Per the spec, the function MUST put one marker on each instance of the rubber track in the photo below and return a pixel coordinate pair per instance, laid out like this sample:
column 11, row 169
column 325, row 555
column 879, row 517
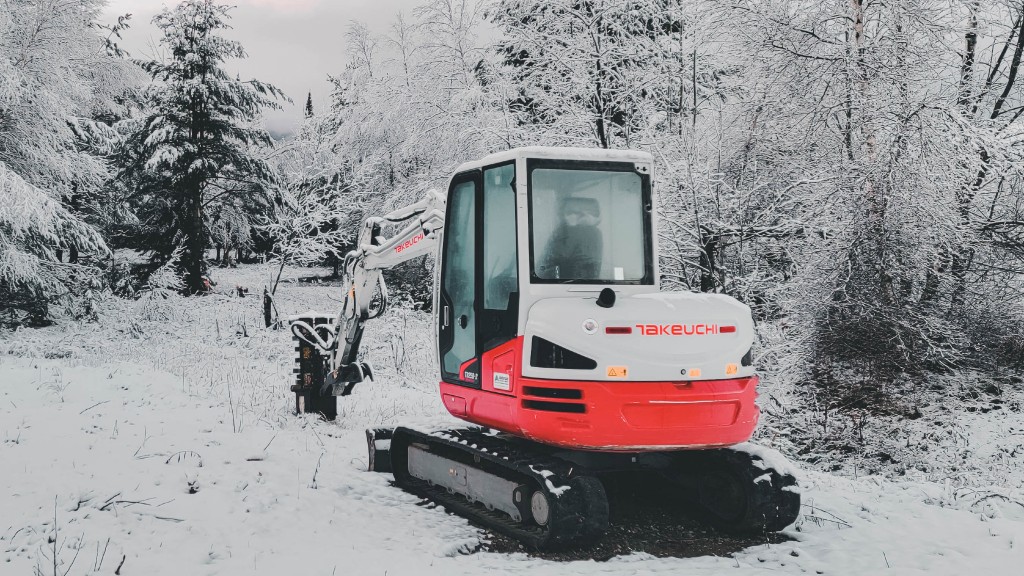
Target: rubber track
column 578, row 515
column 768, row 505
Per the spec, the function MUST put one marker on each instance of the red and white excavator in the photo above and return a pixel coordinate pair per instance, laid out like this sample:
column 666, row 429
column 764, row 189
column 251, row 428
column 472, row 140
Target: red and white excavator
column 555, row 340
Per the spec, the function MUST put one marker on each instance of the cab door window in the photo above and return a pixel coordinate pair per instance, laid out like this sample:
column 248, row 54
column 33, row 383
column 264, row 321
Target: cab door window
column 500, row 258
column 457, row 319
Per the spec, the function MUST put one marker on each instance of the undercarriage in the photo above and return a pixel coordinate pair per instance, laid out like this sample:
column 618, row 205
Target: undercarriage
column 551, row 499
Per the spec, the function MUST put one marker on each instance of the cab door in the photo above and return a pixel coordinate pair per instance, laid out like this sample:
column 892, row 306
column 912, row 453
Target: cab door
column 457, row 290
column 499, row 258
column 478, row 293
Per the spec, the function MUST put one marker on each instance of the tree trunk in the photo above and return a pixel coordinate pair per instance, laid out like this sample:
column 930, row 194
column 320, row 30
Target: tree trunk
column 709, row 245
column 280, row 269
column 600, row 108
column 873, row 256
column 963, row 259
column 932, row 281
column 602, row 134
column 193, row 260
column 267, row 308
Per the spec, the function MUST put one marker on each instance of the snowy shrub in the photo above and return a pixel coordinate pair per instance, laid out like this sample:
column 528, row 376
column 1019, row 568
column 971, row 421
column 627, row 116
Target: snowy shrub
column 119, row 277
column 168, row 278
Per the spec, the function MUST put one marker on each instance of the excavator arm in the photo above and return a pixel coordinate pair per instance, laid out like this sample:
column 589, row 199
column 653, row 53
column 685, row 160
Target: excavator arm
column 366, row 295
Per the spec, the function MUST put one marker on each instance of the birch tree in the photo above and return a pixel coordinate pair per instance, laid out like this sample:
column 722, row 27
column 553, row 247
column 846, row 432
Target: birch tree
column 872, row 95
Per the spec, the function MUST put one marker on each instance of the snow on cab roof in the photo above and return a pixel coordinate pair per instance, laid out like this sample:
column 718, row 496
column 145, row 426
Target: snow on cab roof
column 596, row 154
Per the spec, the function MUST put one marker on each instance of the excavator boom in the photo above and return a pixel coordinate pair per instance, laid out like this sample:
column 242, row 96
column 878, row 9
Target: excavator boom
column 338, row 341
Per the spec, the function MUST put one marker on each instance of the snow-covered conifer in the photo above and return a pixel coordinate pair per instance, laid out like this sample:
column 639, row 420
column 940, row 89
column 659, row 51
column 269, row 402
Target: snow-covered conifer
column 197, row 147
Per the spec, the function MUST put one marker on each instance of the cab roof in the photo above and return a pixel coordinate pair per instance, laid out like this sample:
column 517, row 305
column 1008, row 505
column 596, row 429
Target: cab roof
column 558, row 153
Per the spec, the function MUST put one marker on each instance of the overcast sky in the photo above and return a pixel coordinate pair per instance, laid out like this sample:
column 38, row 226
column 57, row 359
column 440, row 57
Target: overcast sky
column 293, row 44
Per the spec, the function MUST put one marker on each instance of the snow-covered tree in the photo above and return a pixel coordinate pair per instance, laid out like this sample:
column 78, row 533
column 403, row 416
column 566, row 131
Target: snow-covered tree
column 196, row 152
column 317, row 215
column 600, row 72
column 866, row 129
column 58, row 75
column 409, row 106
column 412, row 104
column 847, row 168
column 32, row 226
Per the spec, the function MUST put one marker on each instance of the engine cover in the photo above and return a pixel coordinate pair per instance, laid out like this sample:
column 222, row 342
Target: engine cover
column 662, row 336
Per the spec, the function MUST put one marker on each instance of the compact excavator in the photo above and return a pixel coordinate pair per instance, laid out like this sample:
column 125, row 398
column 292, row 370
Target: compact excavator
column 557, row 345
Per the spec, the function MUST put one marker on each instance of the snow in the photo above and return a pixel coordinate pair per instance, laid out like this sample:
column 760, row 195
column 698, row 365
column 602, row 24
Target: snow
column 769, row 458
column 547, row 474
column 114, row 423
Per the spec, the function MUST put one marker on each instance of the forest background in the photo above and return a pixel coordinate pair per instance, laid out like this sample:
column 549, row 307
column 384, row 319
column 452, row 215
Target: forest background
column 852, row 170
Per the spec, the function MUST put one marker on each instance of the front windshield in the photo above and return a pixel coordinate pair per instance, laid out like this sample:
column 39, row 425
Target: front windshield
column 587, row 226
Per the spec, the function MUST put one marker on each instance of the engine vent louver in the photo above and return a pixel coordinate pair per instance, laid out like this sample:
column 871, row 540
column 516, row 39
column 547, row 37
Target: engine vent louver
column 563, row 393
column 570, row 408
column 545, row 354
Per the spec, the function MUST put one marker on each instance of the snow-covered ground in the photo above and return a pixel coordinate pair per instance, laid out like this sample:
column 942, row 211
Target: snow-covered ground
column 161, row 440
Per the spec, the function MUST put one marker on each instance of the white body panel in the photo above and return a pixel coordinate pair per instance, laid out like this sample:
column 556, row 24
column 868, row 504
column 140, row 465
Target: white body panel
column 646, row 357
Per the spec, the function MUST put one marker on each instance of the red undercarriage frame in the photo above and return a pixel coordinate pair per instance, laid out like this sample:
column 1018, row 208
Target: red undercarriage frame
column 606, row 416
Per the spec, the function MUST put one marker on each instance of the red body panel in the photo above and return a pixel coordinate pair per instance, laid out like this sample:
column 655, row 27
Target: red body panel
column 600, row 415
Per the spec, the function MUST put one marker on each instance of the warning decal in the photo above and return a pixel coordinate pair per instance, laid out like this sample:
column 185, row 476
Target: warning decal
column 617, row 371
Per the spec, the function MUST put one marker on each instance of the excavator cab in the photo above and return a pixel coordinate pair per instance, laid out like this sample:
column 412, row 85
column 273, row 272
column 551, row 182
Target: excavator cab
column 526, row 345
column 528, row 220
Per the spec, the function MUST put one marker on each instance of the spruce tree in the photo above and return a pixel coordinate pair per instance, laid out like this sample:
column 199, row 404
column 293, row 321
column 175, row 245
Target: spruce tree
column 309, row 105
column 196, row 148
